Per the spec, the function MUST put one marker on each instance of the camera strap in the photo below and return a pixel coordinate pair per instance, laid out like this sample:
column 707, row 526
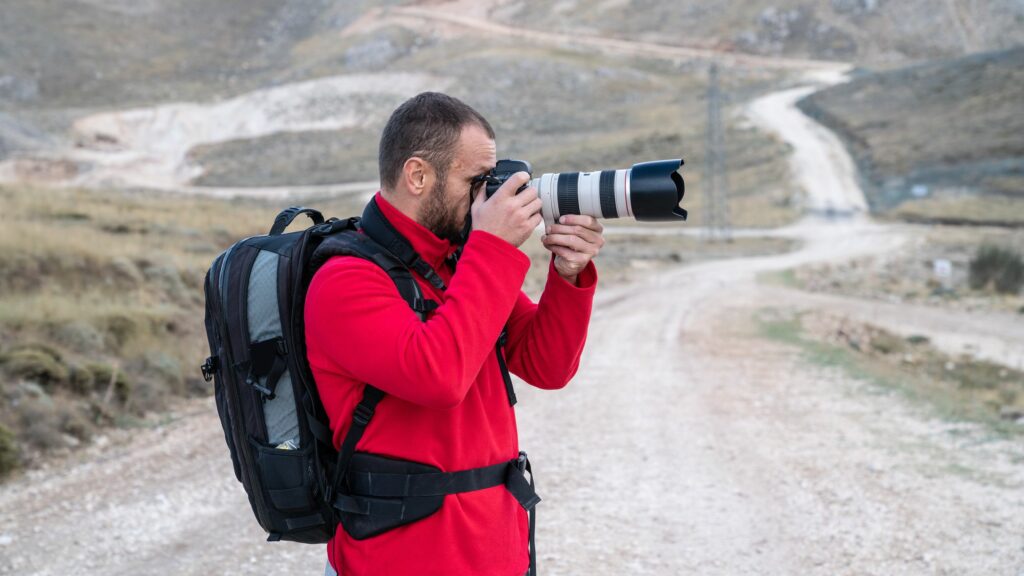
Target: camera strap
column 384, row 233
column 500, row 348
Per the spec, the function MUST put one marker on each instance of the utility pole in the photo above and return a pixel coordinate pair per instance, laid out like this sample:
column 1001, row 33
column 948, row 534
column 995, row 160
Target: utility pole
column 717, row 223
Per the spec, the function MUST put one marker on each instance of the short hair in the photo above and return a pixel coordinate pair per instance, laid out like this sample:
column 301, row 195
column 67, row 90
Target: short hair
column 427, row 125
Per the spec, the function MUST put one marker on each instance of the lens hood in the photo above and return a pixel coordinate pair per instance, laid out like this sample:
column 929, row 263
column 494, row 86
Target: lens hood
column 655, row 191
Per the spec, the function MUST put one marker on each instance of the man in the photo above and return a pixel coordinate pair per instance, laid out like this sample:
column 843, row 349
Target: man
column 446, row 402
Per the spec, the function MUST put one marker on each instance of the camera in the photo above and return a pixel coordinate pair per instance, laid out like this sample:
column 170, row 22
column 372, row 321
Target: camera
column 648, row 192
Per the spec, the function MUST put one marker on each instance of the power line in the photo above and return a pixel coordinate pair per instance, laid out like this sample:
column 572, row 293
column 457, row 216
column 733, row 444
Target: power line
column 717, row 222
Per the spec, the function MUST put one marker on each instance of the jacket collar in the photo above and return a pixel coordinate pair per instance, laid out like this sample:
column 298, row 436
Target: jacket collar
column 431, row 249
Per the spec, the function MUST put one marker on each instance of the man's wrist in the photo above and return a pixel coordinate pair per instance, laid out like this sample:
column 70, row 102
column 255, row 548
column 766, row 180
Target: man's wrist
column 582, row 280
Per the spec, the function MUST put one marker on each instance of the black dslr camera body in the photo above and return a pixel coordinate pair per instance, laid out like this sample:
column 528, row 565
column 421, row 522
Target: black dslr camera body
column 502, row 172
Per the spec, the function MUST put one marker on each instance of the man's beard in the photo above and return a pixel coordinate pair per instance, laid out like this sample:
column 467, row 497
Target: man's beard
column 444, row 218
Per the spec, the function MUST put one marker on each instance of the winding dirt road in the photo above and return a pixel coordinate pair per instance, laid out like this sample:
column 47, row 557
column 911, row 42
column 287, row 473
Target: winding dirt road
column 686, row 444
column 689, row 445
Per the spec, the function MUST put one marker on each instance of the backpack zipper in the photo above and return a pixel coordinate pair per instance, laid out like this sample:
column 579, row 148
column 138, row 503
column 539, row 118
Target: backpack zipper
column 244, row 449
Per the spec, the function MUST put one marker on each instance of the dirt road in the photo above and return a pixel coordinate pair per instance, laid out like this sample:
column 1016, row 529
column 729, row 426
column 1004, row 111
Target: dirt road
column 685, row 445
column 470, row 17
column 149, row 147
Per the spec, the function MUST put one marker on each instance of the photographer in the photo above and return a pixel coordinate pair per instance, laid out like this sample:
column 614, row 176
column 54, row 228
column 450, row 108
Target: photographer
column 446, row 401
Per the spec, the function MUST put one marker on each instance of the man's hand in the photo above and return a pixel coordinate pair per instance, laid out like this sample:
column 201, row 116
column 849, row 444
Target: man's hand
column 509, row 216
column 574, row 241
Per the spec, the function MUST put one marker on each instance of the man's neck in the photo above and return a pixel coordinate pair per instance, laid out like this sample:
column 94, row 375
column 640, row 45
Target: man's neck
column 404, row 203
column 433, row 249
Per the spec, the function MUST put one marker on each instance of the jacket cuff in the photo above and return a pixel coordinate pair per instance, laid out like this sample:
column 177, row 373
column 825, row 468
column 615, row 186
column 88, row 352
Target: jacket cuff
column 586, row 280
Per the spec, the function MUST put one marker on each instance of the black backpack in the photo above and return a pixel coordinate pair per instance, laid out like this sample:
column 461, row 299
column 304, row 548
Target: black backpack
column 275, row 426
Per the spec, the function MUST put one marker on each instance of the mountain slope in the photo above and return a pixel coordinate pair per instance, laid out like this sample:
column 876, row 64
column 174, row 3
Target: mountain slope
column 937, row 141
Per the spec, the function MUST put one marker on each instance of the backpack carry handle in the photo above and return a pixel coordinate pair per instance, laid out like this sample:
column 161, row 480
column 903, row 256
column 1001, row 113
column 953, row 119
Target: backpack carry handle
column 288, row 214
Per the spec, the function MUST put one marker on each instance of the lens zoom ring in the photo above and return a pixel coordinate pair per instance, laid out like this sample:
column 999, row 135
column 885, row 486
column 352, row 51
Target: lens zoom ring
column 568, row 193
column 607, row 190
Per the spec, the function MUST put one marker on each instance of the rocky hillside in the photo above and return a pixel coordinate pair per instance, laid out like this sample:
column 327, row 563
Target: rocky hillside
column 875, row 32
column 239, row 121
column 939, row 141
column 59, row 58
column 62, row 60
column 119, row 53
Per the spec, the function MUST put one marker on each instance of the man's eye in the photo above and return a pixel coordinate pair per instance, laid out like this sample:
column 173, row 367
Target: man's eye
column 476, row 181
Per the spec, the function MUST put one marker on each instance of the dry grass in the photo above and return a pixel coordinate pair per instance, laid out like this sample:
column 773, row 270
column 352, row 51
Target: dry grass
column 108, row 287
column 957, row 388
column 909, row 273
column 985, row 210
column 101, row 303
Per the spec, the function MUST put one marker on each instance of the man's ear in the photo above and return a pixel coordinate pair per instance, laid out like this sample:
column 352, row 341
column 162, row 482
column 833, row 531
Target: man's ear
column 418, row 175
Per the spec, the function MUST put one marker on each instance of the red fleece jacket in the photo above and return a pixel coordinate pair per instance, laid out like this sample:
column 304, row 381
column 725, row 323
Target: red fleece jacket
column 445, row 401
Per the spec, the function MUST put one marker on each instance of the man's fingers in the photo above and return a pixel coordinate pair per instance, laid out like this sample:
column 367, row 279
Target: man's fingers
column 529, row 210
column 509, row 214
column 566, row 253
column 588, row 222
column 573, row 230
column 571, row 242
column 535, row 206
column 526, row 197
column 575, row 260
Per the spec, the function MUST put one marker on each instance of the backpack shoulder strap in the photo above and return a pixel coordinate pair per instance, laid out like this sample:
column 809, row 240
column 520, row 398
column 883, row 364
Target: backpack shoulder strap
column 384, row 234
column 351, row 243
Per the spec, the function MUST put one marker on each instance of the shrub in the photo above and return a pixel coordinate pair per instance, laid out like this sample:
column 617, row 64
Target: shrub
column 998, row 268
column 165, row 368
column 980, row 374
column 147, row 394
column 40, row 423
column 38, row 347
column 79, row 336
column 9, row 459
column 35, row 365
column 102, row 376
column 81, row 380
column 100, row 414
column 120, row 329
column 886, row 343
column 74, row 422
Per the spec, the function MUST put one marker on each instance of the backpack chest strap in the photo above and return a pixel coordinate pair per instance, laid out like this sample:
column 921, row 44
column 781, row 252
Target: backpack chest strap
column 366, row 487
column 385, row 485
column 379, row 499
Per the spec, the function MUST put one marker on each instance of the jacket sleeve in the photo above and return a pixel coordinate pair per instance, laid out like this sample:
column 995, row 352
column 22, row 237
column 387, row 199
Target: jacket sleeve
column 545, row 340
column 358, row 324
